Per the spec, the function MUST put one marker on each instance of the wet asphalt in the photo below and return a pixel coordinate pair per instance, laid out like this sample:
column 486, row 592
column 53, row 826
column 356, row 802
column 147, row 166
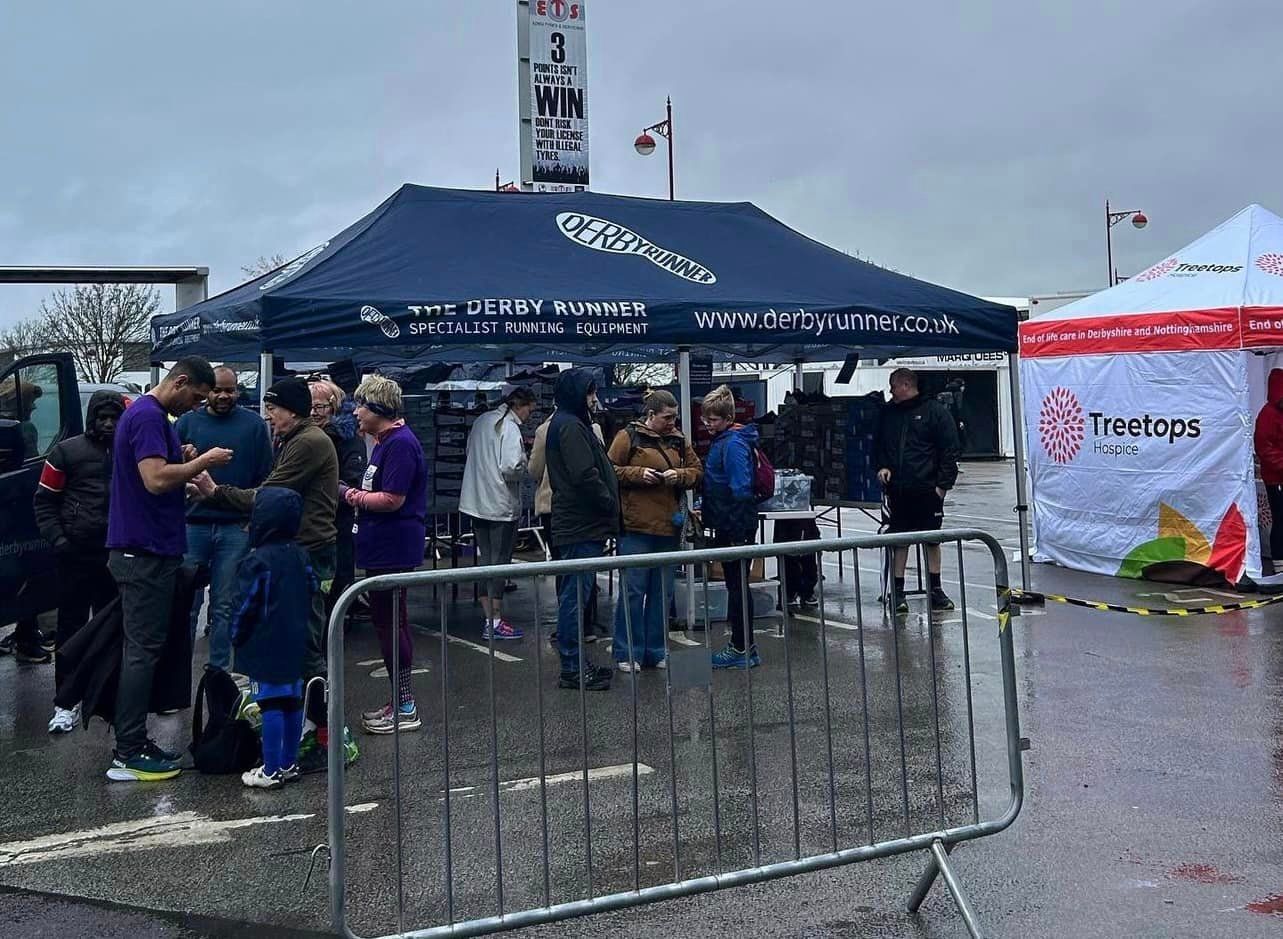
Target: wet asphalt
column 1151, row 803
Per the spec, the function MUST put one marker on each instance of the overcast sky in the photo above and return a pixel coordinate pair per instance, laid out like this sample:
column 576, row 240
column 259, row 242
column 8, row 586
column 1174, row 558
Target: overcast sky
column 971, row 144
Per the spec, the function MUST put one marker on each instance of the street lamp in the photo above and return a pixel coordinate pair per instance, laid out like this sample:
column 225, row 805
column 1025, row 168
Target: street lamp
column 645, row 143
column 1111, row 219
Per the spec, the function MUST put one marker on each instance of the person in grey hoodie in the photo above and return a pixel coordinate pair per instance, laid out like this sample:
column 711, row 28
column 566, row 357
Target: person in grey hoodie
column 491, row 497
column 585, row 513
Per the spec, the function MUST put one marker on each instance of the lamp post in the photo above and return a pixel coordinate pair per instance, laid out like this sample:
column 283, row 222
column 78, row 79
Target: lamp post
column 645, row 143
column 1111, row 219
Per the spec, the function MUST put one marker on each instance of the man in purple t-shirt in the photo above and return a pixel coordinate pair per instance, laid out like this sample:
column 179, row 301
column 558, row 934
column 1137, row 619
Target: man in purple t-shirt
column 147, row 537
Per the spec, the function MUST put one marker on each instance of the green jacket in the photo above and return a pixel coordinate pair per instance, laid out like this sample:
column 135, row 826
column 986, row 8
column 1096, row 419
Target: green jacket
column 306, row 463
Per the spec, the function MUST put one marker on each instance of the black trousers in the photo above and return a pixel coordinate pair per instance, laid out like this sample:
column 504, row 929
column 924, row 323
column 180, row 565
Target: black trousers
column 1275, row 495
column 146, row 583
column 734, row 576
column 801, row 573
column 86, row 586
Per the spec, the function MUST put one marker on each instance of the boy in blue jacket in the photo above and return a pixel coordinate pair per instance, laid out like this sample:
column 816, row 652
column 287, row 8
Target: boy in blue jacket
column 270, row 631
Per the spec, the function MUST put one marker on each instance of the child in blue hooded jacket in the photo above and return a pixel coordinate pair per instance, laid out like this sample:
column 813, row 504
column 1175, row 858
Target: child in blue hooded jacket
column 729, row 507
column 270, row 631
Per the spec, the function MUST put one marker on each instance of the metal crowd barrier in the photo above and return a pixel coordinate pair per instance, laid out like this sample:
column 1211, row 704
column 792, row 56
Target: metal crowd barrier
column 935, row 836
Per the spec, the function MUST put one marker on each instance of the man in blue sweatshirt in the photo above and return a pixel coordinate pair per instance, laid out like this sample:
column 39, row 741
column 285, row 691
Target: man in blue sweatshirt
column 216, row 538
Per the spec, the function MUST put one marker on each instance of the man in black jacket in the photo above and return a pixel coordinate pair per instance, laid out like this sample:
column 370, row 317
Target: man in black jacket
column 585, row 512
column 916, row 453
column 71, row 511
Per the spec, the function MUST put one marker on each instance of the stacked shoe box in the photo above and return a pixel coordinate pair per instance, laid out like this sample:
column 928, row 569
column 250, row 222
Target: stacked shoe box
column 452, row 425
column 830, row 440
column 861, row 483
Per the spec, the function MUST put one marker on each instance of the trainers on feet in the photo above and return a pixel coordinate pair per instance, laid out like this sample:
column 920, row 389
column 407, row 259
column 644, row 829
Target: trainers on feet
column 64, row 720
column 629, row 667
column 141, row 768
column 940, row 600
column 662, row 663
column 291, row 773
column 407, row 719
column 594, row 680
column 32, row 654
column 154, row 750
column 375, row 713
column 810, row 601
column 502, row 630
column 258, row 778
column 731, row 657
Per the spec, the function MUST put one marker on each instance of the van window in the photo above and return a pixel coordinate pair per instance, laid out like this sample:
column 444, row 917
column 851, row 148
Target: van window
column 32, row 397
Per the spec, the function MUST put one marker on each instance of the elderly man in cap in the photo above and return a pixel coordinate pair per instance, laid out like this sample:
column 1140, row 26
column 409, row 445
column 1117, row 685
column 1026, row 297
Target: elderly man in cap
column 305, row 462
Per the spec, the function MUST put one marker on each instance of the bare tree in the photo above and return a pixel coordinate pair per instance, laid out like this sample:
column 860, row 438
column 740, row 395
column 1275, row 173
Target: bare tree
column 24, row 337
column 644, row 373
column 263, row 265
column 97, row 323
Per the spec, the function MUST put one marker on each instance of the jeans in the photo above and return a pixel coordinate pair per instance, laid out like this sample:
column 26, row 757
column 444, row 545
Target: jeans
column 87, row 586
column 734, row 575
column 219, row 547
column 645, row 590
column 146, row 583
column 573, row 588
column 381, row 611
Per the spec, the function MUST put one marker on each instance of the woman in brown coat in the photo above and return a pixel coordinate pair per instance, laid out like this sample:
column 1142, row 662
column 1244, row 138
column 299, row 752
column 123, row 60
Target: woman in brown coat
column 655, row 464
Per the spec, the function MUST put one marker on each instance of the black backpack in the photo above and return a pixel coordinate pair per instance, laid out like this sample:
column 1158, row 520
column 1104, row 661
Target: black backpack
column 228, row 743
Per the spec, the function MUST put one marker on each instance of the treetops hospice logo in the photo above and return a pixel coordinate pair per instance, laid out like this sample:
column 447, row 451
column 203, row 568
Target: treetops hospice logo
column 1271, row 263
column 613, row 238
column 1175, row 267
column 1062, row 429
column 1061, row 425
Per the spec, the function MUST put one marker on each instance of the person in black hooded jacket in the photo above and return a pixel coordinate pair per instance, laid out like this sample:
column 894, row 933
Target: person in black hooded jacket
column 71, row 512
column 585, row 512
column 916, row 453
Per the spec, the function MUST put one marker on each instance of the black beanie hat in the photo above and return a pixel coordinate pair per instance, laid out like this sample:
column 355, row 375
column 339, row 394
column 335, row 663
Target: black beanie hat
column 292, row 394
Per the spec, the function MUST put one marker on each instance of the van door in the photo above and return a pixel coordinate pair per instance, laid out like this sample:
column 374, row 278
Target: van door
column 39, row 405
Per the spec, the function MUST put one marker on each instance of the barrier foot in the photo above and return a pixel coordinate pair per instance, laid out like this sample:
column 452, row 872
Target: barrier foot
column 939, row 866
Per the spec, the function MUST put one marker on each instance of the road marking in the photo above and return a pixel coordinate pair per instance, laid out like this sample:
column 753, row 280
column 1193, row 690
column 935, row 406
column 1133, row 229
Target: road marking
column 827, row 622
column 382, row 671
column 369, row 662
column 594, row 774
column 181, row 829
column 484, row 650
column 166, row 831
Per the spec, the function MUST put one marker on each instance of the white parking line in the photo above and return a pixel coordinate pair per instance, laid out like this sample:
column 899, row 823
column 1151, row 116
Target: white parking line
column 476, row 647
column 828, row 621
column 594, row 775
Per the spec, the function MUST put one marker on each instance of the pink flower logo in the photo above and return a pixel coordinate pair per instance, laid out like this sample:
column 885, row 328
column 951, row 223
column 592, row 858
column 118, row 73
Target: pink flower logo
column 1158, row 270
column 1271, row 263
column 1061, row 425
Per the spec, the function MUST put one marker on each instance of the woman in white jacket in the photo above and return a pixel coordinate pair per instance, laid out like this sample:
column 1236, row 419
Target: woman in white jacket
column 491, row 497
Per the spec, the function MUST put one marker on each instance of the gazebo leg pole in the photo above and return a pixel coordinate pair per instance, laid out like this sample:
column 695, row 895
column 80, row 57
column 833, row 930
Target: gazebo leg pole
column 684, row 383
column 264, row 380
column 1018, row 442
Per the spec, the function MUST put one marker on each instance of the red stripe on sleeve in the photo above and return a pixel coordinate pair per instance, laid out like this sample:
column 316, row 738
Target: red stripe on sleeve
column 53, row 478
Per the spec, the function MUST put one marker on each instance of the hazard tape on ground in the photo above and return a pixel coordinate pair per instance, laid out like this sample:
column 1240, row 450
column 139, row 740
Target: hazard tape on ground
column 1210, row 610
